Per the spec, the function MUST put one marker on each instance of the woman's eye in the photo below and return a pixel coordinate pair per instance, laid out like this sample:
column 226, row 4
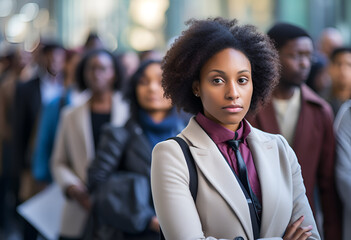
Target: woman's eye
column 143, row 82
column 217, row 80
column 242, row 80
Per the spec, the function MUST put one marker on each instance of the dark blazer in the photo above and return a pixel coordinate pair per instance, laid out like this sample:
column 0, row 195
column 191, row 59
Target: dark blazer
column 124, row 149
column 117, row 144
column 26, row 112
column 314, row 145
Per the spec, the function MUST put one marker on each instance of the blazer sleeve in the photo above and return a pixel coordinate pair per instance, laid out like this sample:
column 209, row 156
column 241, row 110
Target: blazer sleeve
column 108, row 156
column 60, row 161
column 343, row 157
column 174, row 205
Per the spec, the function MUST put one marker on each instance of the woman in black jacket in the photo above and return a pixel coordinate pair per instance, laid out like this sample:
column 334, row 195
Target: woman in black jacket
column 128, row 150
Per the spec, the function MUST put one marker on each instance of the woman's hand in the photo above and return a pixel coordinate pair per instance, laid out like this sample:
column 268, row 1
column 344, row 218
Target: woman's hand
column 80, row 194
column 296, row 232
column 154, row 224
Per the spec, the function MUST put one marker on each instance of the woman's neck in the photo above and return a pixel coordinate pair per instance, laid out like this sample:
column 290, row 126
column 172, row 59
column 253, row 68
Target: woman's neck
column 101, row 103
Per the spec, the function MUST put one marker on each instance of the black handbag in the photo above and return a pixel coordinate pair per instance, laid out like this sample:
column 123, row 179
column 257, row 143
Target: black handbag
column 121, row 203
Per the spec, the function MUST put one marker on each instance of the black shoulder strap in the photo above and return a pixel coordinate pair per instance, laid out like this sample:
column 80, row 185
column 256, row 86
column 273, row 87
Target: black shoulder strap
column 191, row 167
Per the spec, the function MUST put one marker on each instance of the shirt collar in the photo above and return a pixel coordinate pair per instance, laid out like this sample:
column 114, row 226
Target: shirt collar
column 220, row 134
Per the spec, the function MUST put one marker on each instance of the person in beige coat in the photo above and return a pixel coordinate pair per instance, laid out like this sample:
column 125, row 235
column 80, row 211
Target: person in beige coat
column 78, row 136
column 218, row 70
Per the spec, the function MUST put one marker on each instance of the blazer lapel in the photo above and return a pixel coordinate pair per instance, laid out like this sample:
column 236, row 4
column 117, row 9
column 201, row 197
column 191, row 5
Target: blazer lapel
column 305, row 123
column 216, row 170
column 266, row 158
column 84, row 123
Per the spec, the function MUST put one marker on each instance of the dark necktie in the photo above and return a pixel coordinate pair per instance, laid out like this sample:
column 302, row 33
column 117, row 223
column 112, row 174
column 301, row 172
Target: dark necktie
column 243, row 174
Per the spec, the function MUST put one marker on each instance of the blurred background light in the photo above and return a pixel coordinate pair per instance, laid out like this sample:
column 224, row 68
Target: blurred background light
column 29, row 11
column 142, row 39
column 42, row 19
column 149, row 13
column 99, row 9
column 31, row 42
column 16, row 28
column 6, row 7
column 141, row 24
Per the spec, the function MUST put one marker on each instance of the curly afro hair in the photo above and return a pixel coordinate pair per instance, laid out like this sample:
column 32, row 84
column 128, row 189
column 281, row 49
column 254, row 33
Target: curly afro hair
column 203, row 39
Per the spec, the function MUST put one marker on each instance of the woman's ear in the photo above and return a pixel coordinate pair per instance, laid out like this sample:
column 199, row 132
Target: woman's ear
column 196, row 88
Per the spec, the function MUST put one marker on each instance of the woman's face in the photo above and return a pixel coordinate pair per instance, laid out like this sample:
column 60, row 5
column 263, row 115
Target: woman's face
column 225, row 87
column 99, row 73
column 149, row 90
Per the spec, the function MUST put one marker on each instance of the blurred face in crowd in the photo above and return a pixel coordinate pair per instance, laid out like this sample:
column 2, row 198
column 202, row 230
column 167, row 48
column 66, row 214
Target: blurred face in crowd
column 149, row 90
column 55, row 60
column 295, row 58
column 99, row 73
column 225, row 88
column 340, row 70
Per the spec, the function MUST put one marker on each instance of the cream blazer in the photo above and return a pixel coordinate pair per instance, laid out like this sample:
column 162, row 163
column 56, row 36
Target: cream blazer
column 72, row 154
column 221, row 210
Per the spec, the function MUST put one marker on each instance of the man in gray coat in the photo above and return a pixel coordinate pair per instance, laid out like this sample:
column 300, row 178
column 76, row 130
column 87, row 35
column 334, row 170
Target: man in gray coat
column 342, row 127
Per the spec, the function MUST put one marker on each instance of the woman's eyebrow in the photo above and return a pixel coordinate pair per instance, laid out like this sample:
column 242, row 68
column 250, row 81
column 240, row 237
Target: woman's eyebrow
column 222, row 72
column 242, row 71
column 216, row 70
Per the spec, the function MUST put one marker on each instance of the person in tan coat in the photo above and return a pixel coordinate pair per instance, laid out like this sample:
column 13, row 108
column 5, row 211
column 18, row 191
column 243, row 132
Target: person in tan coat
column 79, row 134
column 249, row 182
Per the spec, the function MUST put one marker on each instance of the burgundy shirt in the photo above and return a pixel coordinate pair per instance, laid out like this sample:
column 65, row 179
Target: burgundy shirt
column 220, row 135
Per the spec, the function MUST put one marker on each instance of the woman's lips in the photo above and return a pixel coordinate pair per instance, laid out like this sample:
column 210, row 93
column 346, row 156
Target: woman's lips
column 233, row 108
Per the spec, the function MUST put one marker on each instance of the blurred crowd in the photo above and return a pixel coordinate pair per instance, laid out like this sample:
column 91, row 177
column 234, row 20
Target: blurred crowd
column 35, row 87
column 56, row 102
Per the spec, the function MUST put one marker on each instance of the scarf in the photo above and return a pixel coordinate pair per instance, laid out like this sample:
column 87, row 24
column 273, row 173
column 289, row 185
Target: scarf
column 170, row 126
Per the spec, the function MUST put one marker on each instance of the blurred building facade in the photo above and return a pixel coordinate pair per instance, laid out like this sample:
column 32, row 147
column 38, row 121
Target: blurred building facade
column 151, row 24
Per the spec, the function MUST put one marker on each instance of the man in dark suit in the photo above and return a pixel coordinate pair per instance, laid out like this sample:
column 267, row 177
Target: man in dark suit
column 305, row 120
column 29, row 98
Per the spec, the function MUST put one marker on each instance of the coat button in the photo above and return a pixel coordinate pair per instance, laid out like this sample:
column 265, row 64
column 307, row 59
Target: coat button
column 239, row 238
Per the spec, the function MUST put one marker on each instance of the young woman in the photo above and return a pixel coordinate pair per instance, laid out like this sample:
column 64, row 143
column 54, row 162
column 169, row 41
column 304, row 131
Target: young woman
column 249, row 181
column 129, row 148
column 79, row 134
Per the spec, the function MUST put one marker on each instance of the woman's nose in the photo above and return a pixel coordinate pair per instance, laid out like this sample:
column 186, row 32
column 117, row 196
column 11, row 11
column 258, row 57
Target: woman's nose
column 154, row 86
column 231, row 91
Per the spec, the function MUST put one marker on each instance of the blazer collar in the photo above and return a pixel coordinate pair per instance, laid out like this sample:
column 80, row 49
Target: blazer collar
column 310, row 96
